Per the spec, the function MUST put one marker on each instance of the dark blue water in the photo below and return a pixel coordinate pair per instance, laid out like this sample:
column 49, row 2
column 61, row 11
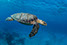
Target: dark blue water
column 53, row 12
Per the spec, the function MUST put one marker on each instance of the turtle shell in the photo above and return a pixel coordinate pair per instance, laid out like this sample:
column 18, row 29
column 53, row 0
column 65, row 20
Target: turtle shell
column 24, row 17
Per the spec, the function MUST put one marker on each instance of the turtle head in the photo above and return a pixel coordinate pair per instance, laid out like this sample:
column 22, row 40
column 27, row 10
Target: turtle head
column 9, row 19
column 42, row 22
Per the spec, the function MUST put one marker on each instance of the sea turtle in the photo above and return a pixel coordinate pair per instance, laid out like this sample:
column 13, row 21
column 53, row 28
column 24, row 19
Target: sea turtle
column 28, row 19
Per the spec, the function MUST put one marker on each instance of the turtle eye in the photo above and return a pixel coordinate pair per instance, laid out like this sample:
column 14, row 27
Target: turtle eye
column 44, row 22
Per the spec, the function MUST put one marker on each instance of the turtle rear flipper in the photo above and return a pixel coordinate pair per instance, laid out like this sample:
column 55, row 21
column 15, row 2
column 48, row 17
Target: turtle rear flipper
column 9, row 19
column 34, row 30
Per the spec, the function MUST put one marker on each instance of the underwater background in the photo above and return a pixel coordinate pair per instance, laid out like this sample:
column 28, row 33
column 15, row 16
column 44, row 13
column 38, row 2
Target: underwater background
column 53, row 12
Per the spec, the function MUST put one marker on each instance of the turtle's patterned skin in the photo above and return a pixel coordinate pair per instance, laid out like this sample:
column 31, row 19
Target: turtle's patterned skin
column 28, row 19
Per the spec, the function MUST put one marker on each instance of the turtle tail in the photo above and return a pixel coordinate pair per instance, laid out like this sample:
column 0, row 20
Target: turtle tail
column 41, row 22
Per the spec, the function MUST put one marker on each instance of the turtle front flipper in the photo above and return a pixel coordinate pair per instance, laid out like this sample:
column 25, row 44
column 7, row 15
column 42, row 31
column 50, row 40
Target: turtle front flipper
column 34, row 30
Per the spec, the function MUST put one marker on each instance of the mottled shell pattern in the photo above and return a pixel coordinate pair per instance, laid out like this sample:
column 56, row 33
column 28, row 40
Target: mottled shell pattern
column 24, row 17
